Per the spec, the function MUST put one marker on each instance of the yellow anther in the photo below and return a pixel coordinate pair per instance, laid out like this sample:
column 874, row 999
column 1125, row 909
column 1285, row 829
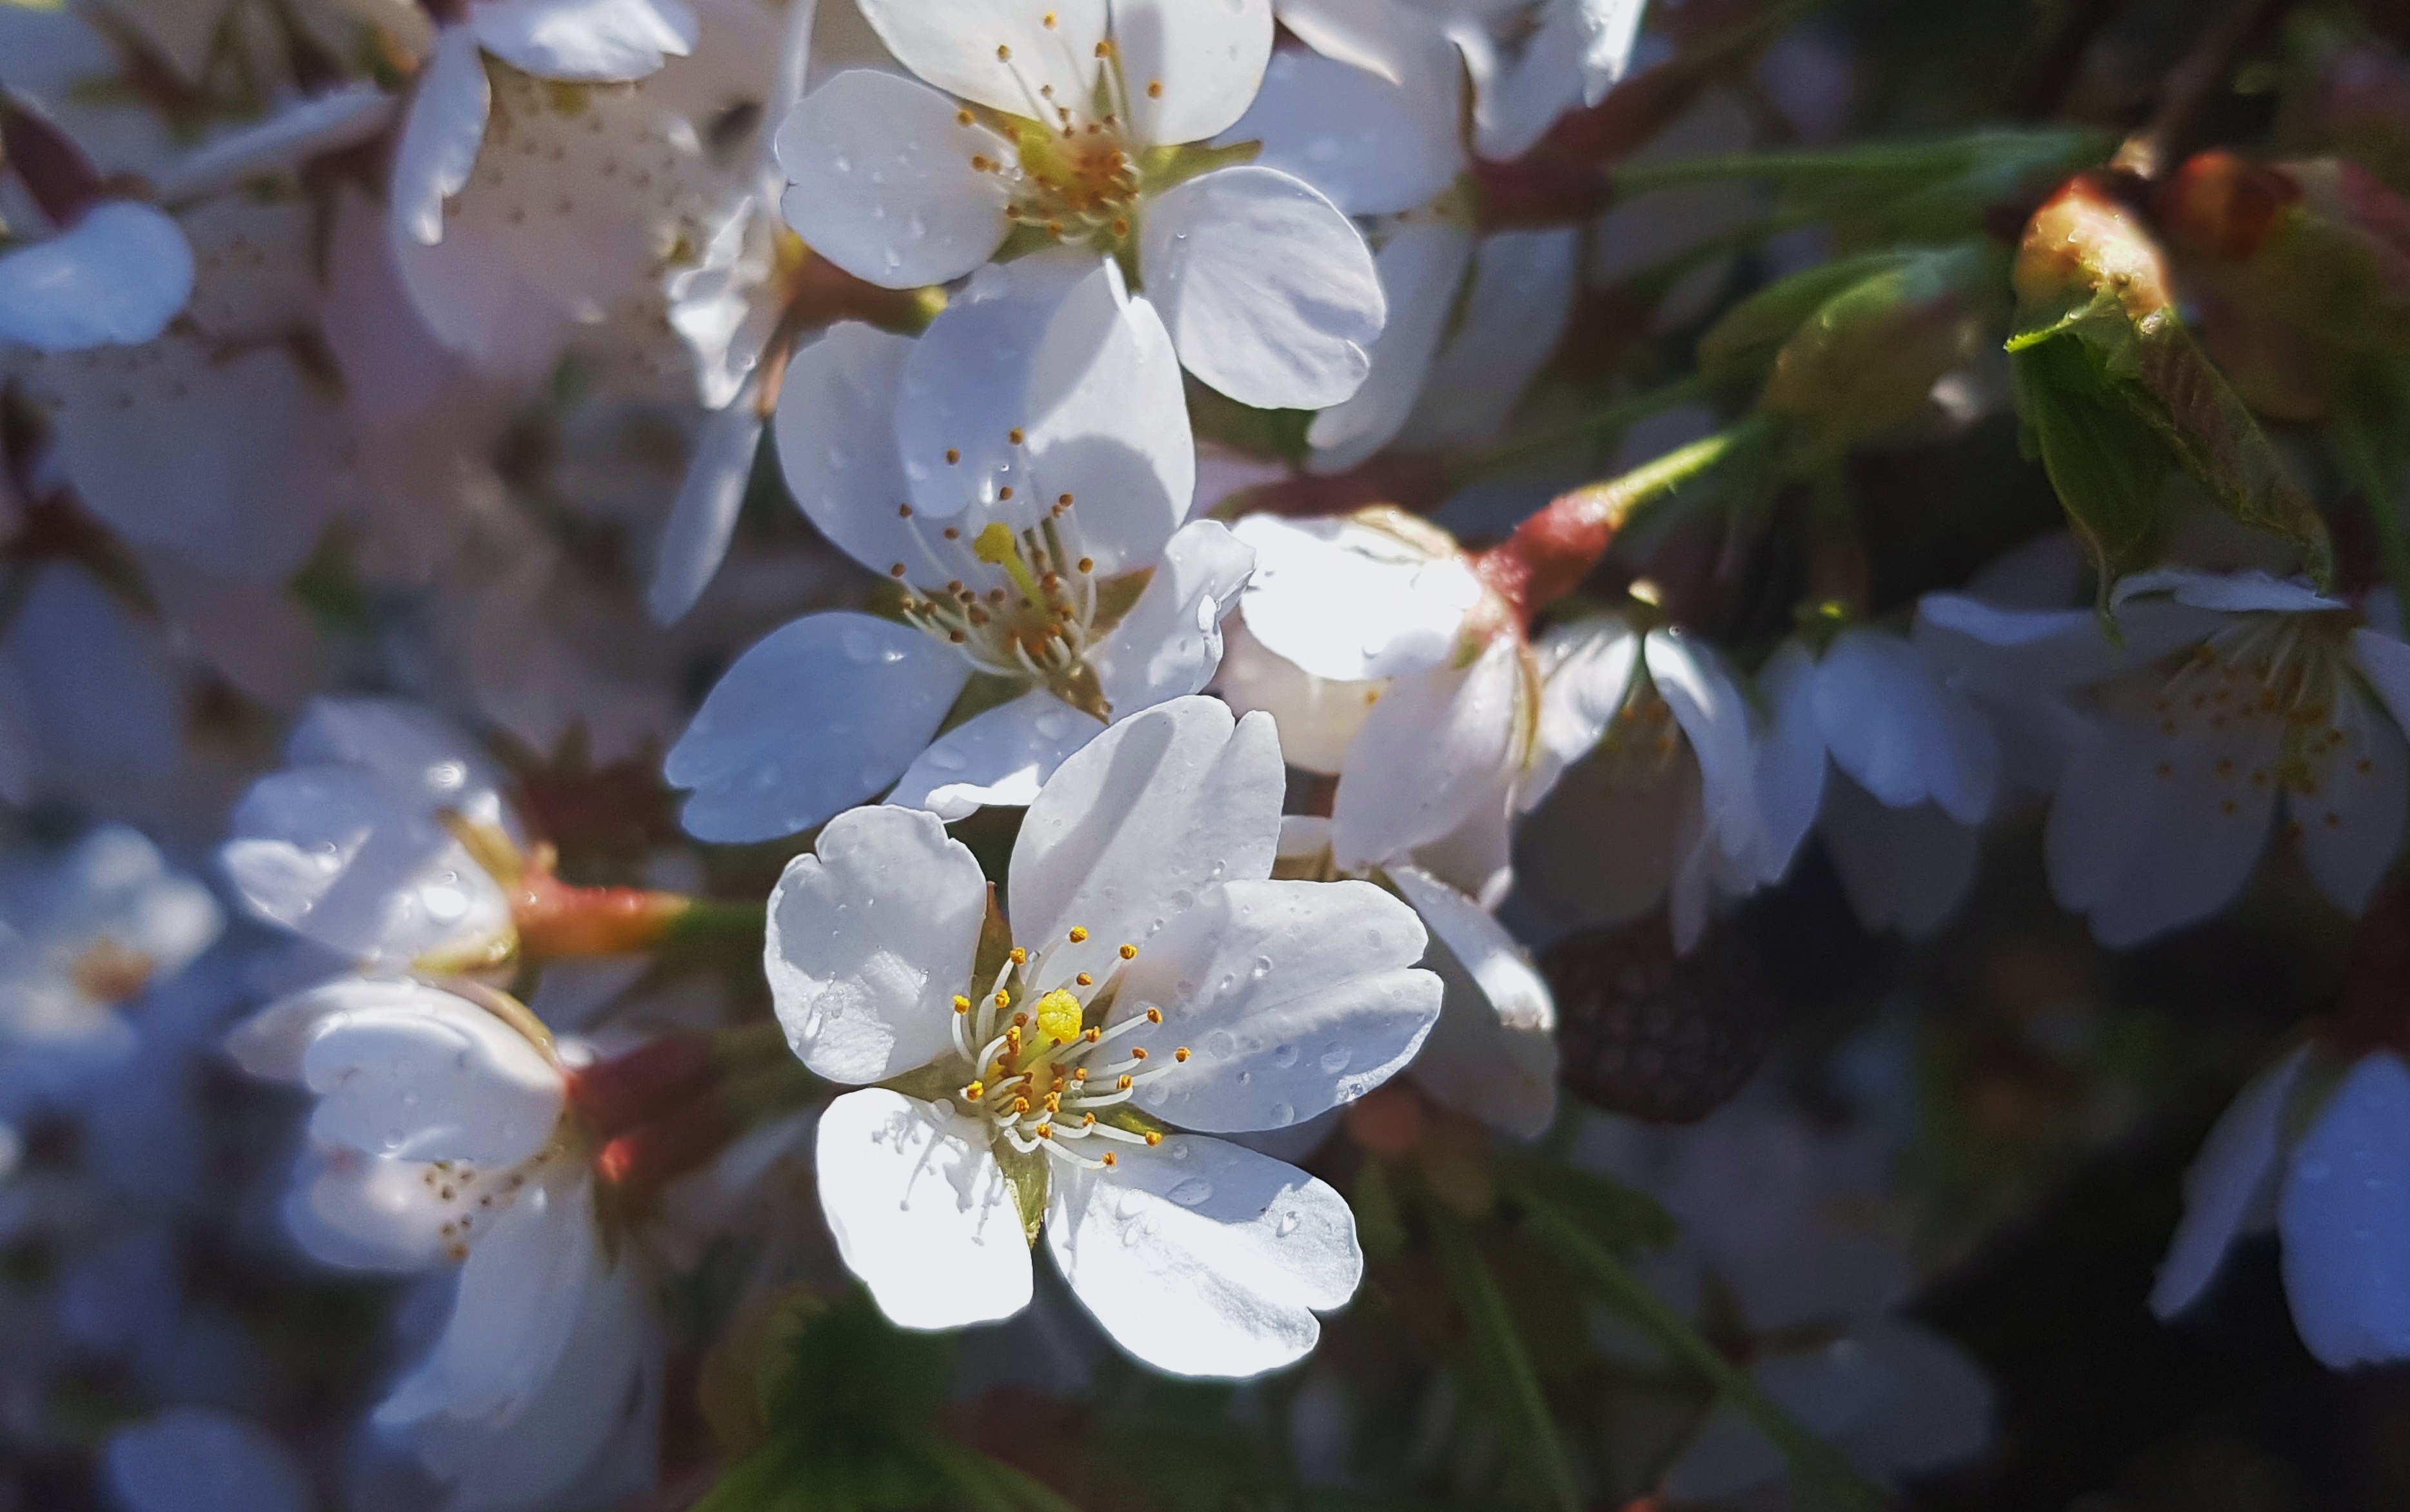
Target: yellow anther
column 1058, row 1016
column 963, row 118
column 1153, row 1138
column 1003, row 998
column 954, row 454
column 1155, row 1015
column 1137, row 1053
column 1013, row 435
column 1002, row 53
column 1181, row 1055
column 1110, row 1159
column 1019, row 956
column 1129, row 953
column 1093, row 1035
column 1088, row 1120
column 1079, row 1073
column 1021, row 1105
column 1154, row 89
column 1121, row 1085
column 1084, row 980
column 974, row 1092
column 962, row 1004
column 1044, row 1132
column 1079, row 936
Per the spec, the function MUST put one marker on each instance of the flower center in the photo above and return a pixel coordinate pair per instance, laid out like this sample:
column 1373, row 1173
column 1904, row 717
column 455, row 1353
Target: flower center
column 470, row 1200
column 1073, row 166
column 1018, row 603
column 1043, row 1075
column 2271, row 691
column 110, row 972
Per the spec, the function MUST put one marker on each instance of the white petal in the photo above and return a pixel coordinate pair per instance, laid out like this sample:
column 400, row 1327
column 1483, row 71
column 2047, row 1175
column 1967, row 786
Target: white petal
column 2386, row 662
column 115, row 278
column 967, row 391
column 1493, row 1054
column 441, row 136
column 2344, row 1215
column 342, row 856
column 881, row 181
column 1374, row 148
column 1208, row 59
column 2150, row 832
column 1438, row 747
column 1790, row 760
column 1201, row 1258
column 870, row 938
column 412, row 748
column 521, row 1293
column 920, row 1211
column 704, row 515
column 1350, row 601
column 2351, row 822
column 596, row 41
column 1001, row 757
column 365, row 1213
column 1938, row 1408
column 1905, row 737
column 1294, row 998
column 1170, row 641
column 1587, row 674
column 1902, row 868
column 1108, row 423
column 1000, row 54
column 817, row 717
column 1400, row 43
column 2225, row 592
column 837, row 443
column 1421, row 266
column 1513, row 316
column 1317, row 717
column 2230, row 1190
column 1268, row 291
column 1714, row 718
column 1167, row 802
column 431, row 1077
column 203, row 1460
column 343, row 117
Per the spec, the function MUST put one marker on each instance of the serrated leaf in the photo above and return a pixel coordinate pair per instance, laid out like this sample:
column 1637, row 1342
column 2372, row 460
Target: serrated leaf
column 2108, row 464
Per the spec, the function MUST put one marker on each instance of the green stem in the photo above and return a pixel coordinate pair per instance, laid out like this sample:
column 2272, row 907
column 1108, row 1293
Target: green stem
column 1493, row 1331
column 1614, row 416
column 771, row 1091
column 1810, row 1456
column 711, row 923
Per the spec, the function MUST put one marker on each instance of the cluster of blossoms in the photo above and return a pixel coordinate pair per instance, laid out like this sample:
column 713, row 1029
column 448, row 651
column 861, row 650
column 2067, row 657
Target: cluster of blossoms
column 676, row 676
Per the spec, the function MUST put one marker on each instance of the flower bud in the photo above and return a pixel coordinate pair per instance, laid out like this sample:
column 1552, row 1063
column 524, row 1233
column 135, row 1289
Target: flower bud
column 1867, row 359
column 2084, row 244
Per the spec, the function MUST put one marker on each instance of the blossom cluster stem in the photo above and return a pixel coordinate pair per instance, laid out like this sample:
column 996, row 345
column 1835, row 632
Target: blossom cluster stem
column 2358, row 452
column 1810, row 1456
column 1550, row 553
column 1492, row 1326
column 1610, row 418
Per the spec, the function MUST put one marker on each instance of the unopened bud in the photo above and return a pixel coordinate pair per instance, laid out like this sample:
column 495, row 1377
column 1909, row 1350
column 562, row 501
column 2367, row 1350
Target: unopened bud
column 557, row 920
column 2084, row 243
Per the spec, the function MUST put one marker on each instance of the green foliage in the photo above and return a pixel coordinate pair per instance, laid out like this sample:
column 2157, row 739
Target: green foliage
column 849, row 1408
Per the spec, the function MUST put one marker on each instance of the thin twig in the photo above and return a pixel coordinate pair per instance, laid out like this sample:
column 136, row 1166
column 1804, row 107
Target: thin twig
column 2150, row 151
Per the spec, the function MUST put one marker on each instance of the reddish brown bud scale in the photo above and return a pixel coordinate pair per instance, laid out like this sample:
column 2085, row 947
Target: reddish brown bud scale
column 613, row 1096
column 2220, row 205
column 1551, row 552
column 51, row 166
column 644, row 1161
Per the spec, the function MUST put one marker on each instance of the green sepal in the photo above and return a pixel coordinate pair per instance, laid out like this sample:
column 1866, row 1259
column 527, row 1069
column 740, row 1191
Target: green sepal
column 1160, row 167
column 1026, row 1173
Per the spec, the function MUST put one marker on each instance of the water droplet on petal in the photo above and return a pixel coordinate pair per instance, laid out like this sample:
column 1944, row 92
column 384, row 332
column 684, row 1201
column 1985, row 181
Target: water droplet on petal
column 1192, row 1191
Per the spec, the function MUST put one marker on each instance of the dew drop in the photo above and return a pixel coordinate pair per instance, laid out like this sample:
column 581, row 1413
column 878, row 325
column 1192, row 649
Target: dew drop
column 1286, row 1223
column 1285, row 1056
column 1192, row 1191
column 1334, row 1058
column 1281, row 1115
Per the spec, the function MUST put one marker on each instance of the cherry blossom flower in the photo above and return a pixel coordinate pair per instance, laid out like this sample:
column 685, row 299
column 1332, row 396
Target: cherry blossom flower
column 358, row 844
column 2237, row 703
column 1066, row 123
column 1166, row 991
column 115, row 277
column 1894, row 767
column 1649, row 763
column 85, row 931
column 1023, row 469
column 443, row 1135
column 1529, row 60
column 2312, row 1148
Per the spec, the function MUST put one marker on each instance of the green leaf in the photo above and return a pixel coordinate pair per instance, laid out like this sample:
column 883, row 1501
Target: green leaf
column 2108, row 464
column 1746, row 340
column 1501, row 1363
column 1625, row 1220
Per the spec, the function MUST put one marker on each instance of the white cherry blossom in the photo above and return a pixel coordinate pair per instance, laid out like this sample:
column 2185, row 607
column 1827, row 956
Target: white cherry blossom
column 1022, row 468
column 2312, row 1148
column 442, row 1136
column 358, row 843
column 114, row 278
column 2237, row 703
column 1895, row 768
column 88, row 929
column 1164, row 990
column 1649, row 763
column 1054, row 122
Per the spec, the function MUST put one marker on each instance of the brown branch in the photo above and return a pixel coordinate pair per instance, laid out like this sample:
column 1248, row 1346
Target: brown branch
column 2050, row 70
column 2154, row 149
